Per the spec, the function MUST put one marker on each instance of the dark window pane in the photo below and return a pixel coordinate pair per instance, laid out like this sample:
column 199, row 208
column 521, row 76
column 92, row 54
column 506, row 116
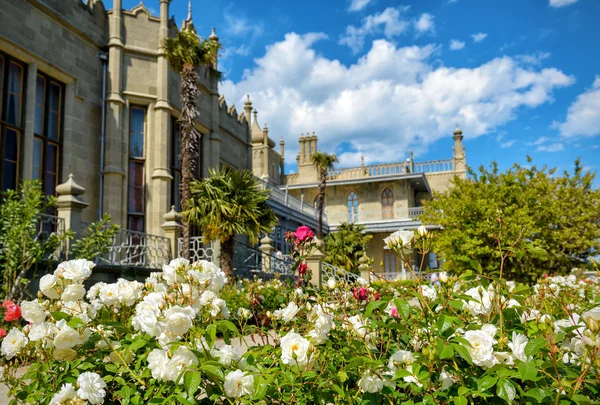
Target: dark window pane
column 135, row 223
column 54, row 111
column 51, row 169
column 15, row 80
column 10, row 165
column 136, row 132
column 136, row 187
column 38, row 145
column 1, row 83
column 40, row 90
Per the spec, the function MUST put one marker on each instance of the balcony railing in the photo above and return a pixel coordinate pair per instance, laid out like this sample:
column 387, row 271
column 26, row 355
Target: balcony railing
column 137, row 249
column 331, row 271
column 284, row 198
column 48, row 227
column 199, row 249
column 379, row 215
column 434, row 166
column 414, row 212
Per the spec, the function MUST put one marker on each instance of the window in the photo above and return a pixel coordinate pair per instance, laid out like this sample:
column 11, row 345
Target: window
column 352, row 207
column 47, row 132
column 387, row 204
column 175, row 165
column 389, row 261
column 137, row 200
column 12, row 75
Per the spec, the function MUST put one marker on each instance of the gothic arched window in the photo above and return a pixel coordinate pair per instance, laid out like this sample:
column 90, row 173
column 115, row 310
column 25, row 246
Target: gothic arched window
column 387, row 204
column 352, row 207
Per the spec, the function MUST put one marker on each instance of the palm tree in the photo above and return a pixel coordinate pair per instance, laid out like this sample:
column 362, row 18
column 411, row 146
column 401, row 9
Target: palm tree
column 324, row 163
column 230, row 203
column 185, row 53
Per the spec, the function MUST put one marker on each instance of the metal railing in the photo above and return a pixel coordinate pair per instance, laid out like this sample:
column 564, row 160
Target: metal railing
column 250, row 262
column 47, row 227
column 284, row 198
column 137, row 249
column 330, row 271
column 199, row 249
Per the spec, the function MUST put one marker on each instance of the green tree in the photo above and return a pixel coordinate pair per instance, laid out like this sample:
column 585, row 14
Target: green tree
column 230, row 203
column 528, row 220
column 22, row 245
column 324, row 163
column 97, row 241
column 345, row 247
column 185, row 53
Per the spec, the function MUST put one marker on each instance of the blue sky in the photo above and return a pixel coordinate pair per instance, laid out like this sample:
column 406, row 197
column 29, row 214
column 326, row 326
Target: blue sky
column 376, row 78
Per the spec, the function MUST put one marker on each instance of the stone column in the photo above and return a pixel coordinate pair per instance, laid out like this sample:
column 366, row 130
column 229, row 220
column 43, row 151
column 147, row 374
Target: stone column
column 267, row 251
column 27, row 166
column 172, row 228
column 315, row 264
column 70, row 204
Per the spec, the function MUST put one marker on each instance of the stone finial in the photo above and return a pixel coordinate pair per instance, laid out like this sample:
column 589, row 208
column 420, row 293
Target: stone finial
column 70, row 187
column 189, row 15
column 248, row 102
column 457, row 131
column 411, row 155
column 213, row 35
column 172, row 216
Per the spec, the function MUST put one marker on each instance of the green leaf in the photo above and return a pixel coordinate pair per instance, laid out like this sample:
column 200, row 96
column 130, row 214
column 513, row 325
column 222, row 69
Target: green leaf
column 212, row 370
column 446, row 352
column 191, row 382
column 538, row 394
column 138, row 344
column 211, row 334
column 261, row 389
column 506, row 390
column 534, row 346
column 342, row 376
column 75, row 323
column 445, row 323
column 460, row 401
column 462, row 352
column 403, row 308
column 373, row 305
column 486, row 382
column 58, row 316
column 528, row 371
column 184, row 401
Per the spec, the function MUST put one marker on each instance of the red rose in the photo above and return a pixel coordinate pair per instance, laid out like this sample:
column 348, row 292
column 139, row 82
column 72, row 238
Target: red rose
column 13, row 313
column 361, row 293
column 302, row 268
column 2, row 332
column 376, row 296
column 303, row 233
column 7, row 304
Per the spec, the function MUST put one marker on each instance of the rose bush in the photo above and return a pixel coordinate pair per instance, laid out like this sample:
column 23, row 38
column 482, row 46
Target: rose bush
column 466, row 340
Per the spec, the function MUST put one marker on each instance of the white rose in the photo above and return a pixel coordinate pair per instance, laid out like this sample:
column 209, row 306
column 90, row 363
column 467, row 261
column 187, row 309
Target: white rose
column 109, row 294
column 422, row 231
column 226, row 354
column 47, row 286
column 294, row 349
column 489, row 329
column 443, row 277
column 331, row 283
column 517, row 345
column 13, row 343
column 244, row 313
column 238, row 383
column 66, row 393
column 370, row 383
column 73, row 292
column 129, row 291
column 591, row 315
column 218, row 307
column 428, row 292
column 183, row 359
column 400, row 358
column 66, row 337
column 179, row 320
column 482, row 303
column 481, row 350
column 40, row 331
column 446, row 380
column 76, row 270
column 208, row 274
column 288, row 313
column 33, row 312
column 64, row 354
column 91, row 388
column 401, row 240
column 158, row 362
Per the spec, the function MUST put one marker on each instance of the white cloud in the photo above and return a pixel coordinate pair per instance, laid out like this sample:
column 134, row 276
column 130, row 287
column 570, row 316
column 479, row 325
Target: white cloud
column 583, row 116
column 535, row 58
column 425, row 24
column 237, row 26
column 389, row 22
column 540, row 141
column 452, row 1
column 508, row 144
column 358, row 5
column 554, row 147
column 561, row 3
column 392, row 98
column 480, row 36
column 455, row 44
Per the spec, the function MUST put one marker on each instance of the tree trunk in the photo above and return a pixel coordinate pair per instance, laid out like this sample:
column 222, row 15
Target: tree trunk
column 188, row 143
column 320, row 204
column 227, row 257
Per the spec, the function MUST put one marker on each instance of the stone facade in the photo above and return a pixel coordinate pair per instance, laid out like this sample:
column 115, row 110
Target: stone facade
column 74, row 44
column 383, row 198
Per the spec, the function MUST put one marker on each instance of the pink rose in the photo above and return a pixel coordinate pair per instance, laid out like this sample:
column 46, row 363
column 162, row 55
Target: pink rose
column 2, row 332
column 302, row 268
column 361, row 293
column 13, row 313
column 303, row 233
column 7, row 304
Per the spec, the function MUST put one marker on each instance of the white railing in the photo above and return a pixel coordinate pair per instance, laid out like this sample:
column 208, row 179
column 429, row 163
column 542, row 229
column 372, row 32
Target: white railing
column 330, row 271
column 199, row 249
column 432, row 166
column 414, row 212
column 284, row 198
column 137, row 249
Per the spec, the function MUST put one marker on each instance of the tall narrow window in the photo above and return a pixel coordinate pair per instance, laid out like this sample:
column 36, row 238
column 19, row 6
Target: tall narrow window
column 137, row 201
column 175, row 165
column 389, row 262
column 387, row 204
column 12, row 75
column 352, row 207
column 47, row 132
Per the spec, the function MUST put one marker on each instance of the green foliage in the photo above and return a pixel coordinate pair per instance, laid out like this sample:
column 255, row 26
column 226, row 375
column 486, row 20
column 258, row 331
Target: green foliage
column 323, row 162
column 98, row 240
column 188, row 49
column 345, row 247
column 547, row 223
column 21, row 246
